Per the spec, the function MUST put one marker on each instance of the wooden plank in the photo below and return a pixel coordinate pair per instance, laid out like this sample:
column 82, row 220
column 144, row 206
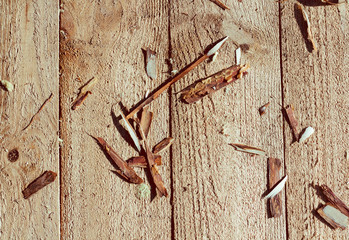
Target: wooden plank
column 217, row 190
column 29, row 60
column 104, row 39
column 317, row 85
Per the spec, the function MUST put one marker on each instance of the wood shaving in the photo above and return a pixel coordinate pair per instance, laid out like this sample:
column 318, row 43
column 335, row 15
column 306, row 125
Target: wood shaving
column 306, row 134
column 333, row 216
column 277, row 188
column 238, row 56
column 248, row 149
column 132, row 132
column 85, row 90
column 7, row 85
column 151, row 63
column 309, row 32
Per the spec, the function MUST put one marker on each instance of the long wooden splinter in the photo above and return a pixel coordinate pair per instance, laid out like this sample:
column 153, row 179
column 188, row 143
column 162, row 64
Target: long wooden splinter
column 275, row 204
column 125, row 171
column 156, row 94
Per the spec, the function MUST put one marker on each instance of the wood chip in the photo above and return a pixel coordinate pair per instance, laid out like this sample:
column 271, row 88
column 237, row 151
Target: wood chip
column 124, row 170
column 278, row 187
column 201, row 88
column 262, row 109
column 306, row 134
column 85, row 90
column 132, row 132
column 333, row 216
column 310, row 37
column 46, row 178
column 334, row 200
column 141, row 161
column 238, row 56
column 7, row 85
column 150, row 60
column 289, row 110
column 247, row 149
column 146, row 119
column 164, row 144
column 274, row 169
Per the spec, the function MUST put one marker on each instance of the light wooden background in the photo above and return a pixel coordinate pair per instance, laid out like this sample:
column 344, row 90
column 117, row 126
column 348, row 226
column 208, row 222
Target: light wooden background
column 214, row 191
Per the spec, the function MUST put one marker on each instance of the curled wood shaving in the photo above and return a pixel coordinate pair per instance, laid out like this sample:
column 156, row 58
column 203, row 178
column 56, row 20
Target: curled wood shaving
column 238, row 56
column 151, row 63
column 132, row 132
column 306, row 134
column 334, row 3
column 7, row 85
column 277, row 188
column 333, row 216
column 334, row 200
column 309, row 33
column 247, row 149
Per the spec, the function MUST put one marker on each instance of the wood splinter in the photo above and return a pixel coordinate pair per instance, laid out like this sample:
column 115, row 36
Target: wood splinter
column 46, row 178
column 124, row 170
column 334, row 217
column 220, row 4
column 274, row 169
column 164, row 144
column 309, row 33
column 289, row 110
column 152, row 166
column 141, row 161
column 334, row 200
column 84, row 92
column 202, row 88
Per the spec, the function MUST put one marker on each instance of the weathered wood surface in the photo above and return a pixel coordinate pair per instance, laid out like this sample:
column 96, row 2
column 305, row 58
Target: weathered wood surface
column 217, row 190
column 214, row 191
column 105, row 40
column 317, row 85
column 29, row 59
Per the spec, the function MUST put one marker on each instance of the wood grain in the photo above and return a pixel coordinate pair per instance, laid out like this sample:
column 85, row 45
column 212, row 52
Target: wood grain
column 317, row 85
column 216, row 189
column 29, row 60
column 105, row 39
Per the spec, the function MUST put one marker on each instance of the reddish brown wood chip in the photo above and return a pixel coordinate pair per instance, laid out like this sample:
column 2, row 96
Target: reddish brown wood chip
column 141, row 161
column 164, row 144
column 80, row 100
column 289, row 110
column 334, row 200
column 262, row 109
column 146, row 119
column 124, row 170
column 274, row 168
column 46, row 178
column 333, row 216
column 201, row 88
